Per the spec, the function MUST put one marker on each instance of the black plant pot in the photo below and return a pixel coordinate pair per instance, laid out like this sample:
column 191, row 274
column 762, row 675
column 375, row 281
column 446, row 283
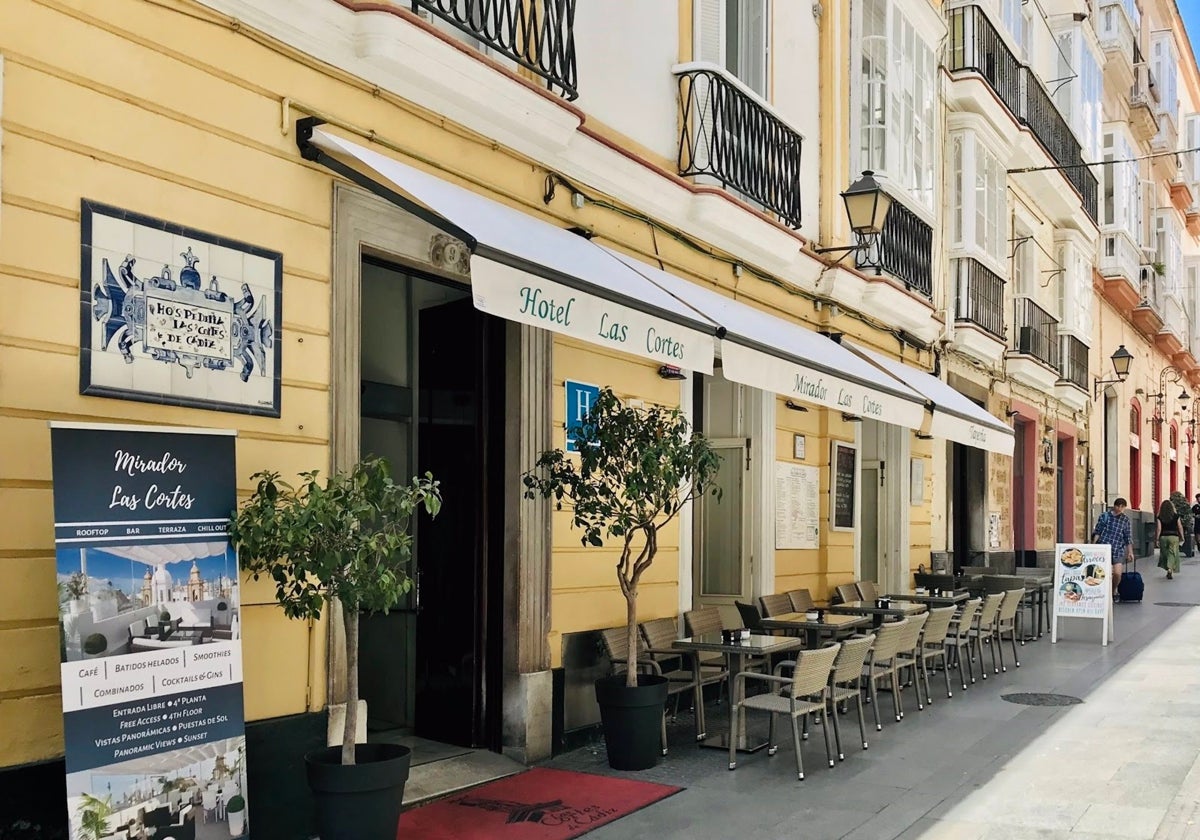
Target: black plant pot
column 632, row 720
column 361, row 801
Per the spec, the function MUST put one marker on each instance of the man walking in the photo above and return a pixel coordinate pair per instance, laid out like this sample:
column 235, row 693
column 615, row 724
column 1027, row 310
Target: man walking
column 1113, row 528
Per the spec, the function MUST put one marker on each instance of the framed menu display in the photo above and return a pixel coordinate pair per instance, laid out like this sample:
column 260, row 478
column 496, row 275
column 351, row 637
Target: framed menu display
column 1083, row 585
column 843, row 466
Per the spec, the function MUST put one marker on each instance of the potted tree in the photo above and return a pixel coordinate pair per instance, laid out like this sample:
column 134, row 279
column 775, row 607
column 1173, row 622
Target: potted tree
column 635, row 470
column 94, row 814
column 347, row 540
column 1184, row 510
column 76, row 590
column 94, row 645
column 236, row 809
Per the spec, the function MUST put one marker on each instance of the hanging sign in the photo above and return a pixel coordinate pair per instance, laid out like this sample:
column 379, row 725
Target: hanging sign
column 150, row 618
column 1083, row 585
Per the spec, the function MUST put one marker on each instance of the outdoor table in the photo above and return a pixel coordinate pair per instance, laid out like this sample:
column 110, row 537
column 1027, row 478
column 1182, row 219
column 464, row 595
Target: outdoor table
column 902, row 609
column 835, row 625
column 1042, row 581
column 949, row 600
column 735, row 659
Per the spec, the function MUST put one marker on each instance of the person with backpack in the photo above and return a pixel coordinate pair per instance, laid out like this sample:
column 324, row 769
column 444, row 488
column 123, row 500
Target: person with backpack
column 1113, row 528
column 1169, row 532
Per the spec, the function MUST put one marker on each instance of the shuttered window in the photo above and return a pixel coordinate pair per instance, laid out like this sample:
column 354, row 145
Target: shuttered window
column 734, row 34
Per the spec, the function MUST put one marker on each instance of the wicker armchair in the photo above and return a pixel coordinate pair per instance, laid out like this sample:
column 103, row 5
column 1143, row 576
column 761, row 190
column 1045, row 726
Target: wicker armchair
column 933, row 646
column 801, row 600
column 985, row 630
column 807, row 692
column 867, row 591
column 845, row 683
column 1006, row 622
column 958, row 638
column 775, row 604
column 846, row 592
column 908, row 656
column 882, row 664
column 659, row 635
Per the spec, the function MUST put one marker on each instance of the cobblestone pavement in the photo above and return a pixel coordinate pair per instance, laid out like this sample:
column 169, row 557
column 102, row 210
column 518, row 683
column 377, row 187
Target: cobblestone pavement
column 1123, row 763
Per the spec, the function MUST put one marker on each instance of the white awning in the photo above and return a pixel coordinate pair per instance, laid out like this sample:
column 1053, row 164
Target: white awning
column 767, row 352
column 526, row 270
column 955, row 417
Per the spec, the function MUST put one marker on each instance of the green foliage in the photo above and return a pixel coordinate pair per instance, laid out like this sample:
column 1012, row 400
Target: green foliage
column 75, row 586
column 164, row 617
column 634, row 471
column 94, row 644
column 237, row 802
column 1183, row 509
column 94, row 814
column 348, row 538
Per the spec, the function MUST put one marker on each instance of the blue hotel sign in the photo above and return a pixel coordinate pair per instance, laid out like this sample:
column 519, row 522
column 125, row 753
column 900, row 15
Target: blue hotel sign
column 580, row 397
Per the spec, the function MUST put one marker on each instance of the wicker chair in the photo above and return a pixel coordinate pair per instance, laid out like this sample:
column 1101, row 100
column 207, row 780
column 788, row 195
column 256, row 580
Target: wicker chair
column 845, row 682
column 801, row 600
column 985, row 629
column 958, row 638
column 882, row 664
column 659, row 635
column 908, row 655
column 1006, row 622
column 703, row 621
column 807, row 692
column 933, row 646
column 867, row 591
column 847, row 592
column 775, row 604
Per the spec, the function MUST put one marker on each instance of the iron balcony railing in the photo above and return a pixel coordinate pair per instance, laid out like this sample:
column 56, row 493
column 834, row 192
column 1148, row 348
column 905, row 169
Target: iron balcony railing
column 979, row 298
column 904, row 249
column 539, row 35
column 732, row 135
column 1074, row 362
column 1037, row 332
column 976, row 46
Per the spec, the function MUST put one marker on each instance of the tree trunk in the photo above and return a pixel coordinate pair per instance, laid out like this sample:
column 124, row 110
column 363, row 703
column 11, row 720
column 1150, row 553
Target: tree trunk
column 632, row 657
column 350, row 618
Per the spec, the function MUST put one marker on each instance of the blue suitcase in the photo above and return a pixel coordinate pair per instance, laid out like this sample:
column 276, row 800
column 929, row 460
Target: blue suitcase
column 1131, row 587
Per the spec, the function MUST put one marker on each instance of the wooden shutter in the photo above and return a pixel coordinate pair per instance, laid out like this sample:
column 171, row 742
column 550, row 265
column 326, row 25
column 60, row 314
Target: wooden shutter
column 708, row 29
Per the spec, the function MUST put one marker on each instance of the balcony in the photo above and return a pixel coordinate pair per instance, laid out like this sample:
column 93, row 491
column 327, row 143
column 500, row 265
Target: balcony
column 1171, row 337
column 1074, row 369
column 1143, row 105
column 904, row 250
column 1120, row 262
column 1118, row 39
column 732, row 135
column 1147, row 316
column 539, row 35
column 979, row 298
column 1037, row 333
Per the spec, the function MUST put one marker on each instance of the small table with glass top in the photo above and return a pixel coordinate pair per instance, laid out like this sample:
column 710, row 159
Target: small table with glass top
column 830, row 623
column 948, row 599
column 735, row 658
column 895, row 609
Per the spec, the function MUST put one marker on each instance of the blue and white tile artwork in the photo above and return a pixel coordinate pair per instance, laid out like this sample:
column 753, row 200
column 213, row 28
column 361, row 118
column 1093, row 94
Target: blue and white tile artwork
column 177, row 316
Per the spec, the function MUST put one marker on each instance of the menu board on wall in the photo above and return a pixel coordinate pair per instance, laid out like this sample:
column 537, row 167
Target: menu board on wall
column 149, row 608
column 1082, row 584
column 797, row 505
column 844, row 467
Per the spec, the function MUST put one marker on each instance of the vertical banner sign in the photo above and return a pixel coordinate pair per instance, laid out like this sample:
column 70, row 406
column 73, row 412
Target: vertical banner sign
column 150, row 619
column 1083, row 585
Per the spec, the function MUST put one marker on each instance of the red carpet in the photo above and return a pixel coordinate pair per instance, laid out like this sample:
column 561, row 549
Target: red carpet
column 538, row 804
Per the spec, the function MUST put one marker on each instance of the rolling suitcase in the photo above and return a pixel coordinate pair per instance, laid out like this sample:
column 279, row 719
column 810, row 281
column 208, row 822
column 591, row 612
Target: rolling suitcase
column 1131, row 586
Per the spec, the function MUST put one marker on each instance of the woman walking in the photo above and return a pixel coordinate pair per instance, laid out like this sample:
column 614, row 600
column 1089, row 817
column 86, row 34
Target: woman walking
column 1169, row 531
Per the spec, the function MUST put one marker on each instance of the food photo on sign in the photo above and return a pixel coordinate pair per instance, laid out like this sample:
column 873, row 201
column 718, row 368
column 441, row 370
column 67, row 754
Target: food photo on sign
column 1082, row 580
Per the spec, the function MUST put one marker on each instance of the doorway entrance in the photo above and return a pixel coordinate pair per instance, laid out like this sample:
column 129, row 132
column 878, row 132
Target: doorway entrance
column 968, row 466
column 432, row 400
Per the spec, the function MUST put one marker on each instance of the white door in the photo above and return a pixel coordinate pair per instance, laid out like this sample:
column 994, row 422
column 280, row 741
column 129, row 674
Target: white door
column 868, row 541
column 721, row 571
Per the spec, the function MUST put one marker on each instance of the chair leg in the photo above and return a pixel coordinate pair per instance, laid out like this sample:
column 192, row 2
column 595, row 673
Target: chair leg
column 837, row 731
column 733, row 718
column 993, row 644
column 997, row 643
column 804, row 729
column 664, row 732
column 970, row 666
column 862, row 723
column 897, row 700
column 979, row 649
column 796, row 744
column 875, row 703
column 825, row 726
column 946, row 673
column 772, row 747
column 701, row 724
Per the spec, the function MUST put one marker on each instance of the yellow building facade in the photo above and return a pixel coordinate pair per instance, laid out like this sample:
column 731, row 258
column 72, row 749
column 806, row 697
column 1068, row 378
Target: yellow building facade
column 182, row 113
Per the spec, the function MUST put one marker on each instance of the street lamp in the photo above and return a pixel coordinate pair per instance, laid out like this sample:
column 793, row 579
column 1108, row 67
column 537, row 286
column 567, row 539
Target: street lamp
column 867, row 208
column 1121, row 360
column 1176, row 375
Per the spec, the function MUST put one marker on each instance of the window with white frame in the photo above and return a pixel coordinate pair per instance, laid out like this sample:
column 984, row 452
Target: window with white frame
column 1164, row 64
column 1016, row 20
column 1120, row 205
column 1024, row 261
column 897, row 99
column 734, row 34
column 1168, row 247
column 1190, row 161
column 1075, row 290
column 980, row 212
column 1080, row 88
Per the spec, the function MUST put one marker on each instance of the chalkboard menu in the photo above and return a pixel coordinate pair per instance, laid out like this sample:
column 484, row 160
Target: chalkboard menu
column 845, row 474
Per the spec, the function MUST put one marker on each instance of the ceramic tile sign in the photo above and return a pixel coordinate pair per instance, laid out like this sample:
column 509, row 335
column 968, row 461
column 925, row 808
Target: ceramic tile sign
column 150, row 630
column 1082, row 585
column 175, row 316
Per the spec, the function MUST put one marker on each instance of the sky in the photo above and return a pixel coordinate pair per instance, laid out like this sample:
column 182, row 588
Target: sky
column 1190, row 9
column 127, row 576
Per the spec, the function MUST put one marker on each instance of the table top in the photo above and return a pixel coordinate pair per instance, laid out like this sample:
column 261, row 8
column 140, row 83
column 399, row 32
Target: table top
column 1044, row 576
column 949, row 600
column 868, row 608
column 830, row 621
column 755, row 645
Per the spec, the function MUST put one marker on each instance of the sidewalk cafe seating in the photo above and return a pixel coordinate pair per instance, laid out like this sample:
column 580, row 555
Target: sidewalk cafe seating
column 805, row 692
column 1006, row 622
column 985, row 629
column 845, row 683
column 933, row 647
column 616, row 647
column 934, row 582
column 775, row 604
column 706, row 621
column 908, row 656
column 881, row 664
column 846, row 592
column 867, row 591
column 659, row 636
column 801, row 600
column 1029, row 594
column 959, row 638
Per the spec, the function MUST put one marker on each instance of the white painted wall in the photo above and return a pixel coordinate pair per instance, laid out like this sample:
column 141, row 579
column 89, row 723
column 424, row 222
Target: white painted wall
column 625, row 51
column 795, row 80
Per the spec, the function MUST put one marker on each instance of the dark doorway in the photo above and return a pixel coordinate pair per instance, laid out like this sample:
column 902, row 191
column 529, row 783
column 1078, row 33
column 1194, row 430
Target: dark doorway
column 432, row 401
column 968, row 505
column 1065, row 506
column 1021, row 484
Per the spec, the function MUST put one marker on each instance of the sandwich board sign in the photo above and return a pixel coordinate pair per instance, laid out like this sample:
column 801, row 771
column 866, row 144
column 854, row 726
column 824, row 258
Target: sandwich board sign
column 1083, row 585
